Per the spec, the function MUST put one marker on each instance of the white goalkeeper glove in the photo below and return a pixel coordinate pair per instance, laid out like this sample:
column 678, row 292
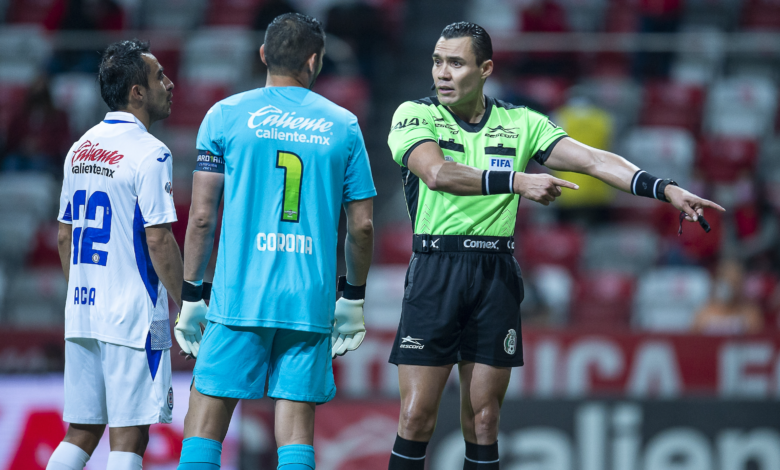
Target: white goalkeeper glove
column 349, row 328
column 187, row 330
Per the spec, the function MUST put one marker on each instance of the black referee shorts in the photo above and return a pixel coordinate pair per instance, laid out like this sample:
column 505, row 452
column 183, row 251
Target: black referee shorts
column 460, row 306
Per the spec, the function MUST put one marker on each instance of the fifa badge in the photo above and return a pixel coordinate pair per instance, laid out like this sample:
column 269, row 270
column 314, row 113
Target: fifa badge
column 510, row 343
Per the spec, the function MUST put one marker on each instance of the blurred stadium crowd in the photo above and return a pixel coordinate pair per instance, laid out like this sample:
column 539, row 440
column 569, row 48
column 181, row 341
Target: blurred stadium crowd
column 597, row 258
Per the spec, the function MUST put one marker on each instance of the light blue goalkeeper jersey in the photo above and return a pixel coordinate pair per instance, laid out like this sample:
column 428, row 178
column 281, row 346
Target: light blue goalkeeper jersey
column 291, row 158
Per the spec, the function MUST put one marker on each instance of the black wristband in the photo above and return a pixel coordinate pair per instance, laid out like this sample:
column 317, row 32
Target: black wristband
column 349, row 291
column 190, row 292
column 206, row 290
column 644, row 184
column 497, row 182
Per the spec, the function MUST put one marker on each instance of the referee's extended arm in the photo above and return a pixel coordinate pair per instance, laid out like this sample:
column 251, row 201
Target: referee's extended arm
column 428, row 163
column 616, row 171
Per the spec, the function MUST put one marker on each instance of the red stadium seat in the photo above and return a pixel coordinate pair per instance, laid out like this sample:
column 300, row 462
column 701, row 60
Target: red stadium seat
column 608, row 64
column 602, row 300
column 179, row 229
column 29, row 11
column 759, row 287
column 351, row 93
column 11, row 101
column 761, row 14
column 232, row 12
column 632, row 210
column 44, row 250
column 748, row 221
column 725, row 160
column 673, row 105
column 395, row 244
column 191, row 102
column 674, row 94
column 622, row 19
column 693, row 244
column 170, row 59
column 392, row 16
column 561, row 245
column 550, row 92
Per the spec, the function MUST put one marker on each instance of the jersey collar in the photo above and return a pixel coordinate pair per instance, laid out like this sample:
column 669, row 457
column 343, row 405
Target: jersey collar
column 467, row 126
column 122, row 117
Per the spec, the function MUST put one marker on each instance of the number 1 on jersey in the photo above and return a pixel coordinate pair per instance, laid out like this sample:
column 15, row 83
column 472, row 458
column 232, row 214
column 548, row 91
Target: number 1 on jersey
column 293, row 178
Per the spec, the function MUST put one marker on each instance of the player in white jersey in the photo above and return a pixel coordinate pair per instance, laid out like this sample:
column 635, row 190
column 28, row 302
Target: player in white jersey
column 121, row 259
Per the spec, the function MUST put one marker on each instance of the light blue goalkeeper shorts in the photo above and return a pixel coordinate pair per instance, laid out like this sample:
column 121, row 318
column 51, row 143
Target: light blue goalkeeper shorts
column 236, row 361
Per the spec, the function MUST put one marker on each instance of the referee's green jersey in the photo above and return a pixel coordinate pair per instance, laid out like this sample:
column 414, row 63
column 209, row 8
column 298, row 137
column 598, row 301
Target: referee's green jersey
column 506, row 138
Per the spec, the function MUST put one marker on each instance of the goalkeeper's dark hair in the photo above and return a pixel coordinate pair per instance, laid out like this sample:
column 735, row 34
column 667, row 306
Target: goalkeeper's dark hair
column 481, row 44
column 290, row 40
column 121, row 67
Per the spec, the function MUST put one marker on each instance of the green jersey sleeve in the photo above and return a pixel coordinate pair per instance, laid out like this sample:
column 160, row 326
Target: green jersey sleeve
column 543, row 134
column 412, row 125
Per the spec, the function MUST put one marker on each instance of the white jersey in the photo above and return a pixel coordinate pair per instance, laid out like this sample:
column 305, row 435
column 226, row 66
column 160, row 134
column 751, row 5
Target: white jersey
column 117, row 182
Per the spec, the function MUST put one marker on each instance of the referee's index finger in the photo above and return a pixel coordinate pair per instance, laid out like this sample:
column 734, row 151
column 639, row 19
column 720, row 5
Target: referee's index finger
column 564, row 183
column 712, row 205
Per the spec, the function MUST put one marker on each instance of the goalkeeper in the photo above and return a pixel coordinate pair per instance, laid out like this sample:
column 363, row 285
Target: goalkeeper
column 271, row 316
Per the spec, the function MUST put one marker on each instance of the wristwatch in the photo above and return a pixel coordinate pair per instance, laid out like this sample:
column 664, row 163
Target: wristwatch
column 659, row 190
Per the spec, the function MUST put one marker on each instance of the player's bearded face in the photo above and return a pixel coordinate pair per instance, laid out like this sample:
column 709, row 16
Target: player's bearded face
column 456, row 75
column 160, row 91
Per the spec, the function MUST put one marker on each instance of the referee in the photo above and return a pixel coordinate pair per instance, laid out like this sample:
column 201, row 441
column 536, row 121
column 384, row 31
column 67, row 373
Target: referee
column 462, row 156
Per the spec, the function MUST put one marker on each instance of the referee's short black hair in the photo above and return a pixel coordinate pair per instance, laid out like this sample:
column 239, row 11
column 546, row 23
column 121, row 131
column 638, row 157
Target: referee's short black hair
column 481, row 43
column 290, row 40
column 121, row 67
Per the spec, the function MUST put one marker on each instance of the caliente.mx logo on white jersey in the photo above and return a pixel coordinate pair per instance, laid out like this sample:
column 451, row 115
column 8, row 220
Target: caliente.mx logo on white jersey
column 271, row 116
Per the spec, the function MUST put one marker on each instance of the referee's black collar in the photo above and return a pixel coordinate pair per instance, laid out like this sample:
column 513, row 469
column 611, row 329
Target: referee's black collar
column 467, row 126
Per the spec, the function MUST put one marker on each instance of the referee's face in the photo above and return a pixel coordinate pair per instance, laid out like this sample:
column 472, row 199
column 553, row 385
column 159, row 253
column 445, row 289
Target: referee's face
column 456, row 75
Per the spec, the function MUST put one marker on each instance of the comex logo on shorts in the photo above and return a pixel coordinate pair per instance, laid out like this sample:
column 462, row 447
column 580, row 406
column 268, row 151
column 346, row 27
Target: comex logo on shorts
column 411, row 343
column 482, row 245
column 170, row 398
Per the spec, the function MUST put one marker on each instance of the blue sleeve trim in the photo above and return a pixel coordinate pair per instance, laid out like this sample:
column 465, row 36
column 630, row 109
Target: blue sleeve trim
column 153, row 357
column 142, row 259
column 67, row 216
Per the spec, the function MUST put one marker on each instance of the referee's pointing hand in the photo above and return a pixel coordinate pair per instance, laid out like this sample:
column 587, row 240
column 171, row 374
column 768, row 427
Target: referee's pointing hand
column 687, row 202
column 541, row 188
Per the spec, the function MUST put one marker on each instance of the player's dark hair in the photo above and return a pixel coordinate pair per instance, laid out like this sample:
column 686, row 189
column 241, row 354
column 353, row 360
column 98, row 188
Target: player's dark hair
column 481, row 44
column 121, row 67
column 290, row 40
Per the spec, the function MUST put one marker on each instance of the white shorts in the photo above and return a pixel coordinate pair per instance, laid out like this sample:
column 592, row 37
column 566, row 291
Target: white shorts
column 116, row 385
